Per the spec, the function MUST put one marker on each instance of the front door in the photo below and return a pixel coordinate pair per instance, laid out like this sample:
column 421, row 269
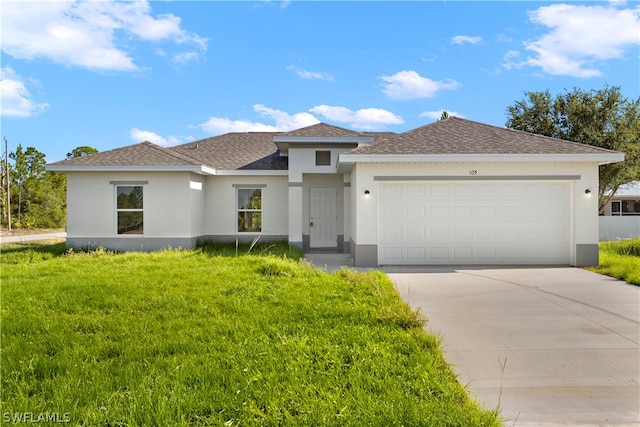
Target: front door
column 322, row 216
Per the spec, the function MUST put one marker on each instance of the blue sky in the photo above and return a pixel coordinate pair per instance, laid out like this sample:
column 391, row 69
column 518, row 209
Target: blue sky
column 110, row 74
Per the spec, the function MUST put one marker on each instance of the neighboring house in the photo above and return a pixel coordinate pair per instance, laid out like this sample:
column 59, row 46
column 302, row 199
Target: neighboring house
column 626, row 201
column 452, row 192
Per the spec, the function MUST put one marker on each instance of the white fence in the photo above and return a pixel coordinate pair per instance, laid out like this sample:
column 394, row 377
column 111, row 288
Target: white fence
column 619, row 227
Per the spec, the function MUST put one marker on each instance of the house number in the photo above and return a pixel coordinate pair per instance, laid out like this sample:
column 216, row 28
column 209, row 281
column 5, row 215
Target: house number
column 473, row 172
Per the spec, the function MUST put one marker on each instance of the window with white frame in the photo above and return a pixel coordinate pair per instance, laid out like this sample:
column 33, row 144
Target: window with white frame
column 129, row 209
column 249, row 210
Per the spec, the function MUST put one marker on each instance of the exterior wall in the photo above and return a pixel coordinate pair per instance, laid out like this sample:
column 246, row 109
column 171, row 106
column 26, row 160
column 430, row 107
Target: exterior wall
column 584, row 215
column 304, row 159
column 221, row 207
column 346, row 201
column 92, row 216
column 197, row 203
column 303, row 175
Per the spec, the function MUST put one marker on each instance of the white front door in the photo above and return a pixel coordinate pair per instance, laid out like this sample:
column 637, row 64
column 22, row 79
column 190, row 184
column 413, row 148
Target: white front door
column 322, row 216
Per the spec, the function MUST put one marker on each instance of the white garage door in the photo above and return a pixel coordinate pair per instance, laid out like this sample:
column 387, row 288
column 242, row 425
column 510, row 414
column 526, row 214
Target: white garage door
column 508, row 222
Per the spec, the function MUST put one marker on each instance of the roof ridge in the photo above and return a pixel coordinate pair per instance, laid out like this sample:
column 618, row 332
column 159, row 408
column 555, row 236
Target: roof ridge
column 320, row 124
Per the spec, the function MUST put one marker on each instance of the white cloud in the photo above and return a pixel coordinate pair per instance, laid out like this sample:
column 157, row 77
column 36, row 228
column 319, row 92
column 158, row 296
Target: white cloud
column 139, row 135
column 435, row 115
column 283, row 122
column 466, row 39
column 310, row 75
column 579, row 38
column 410, row 85
column 286, row 121
column 87, row 34
column 365, row 119
column 185, row 57
column 15, row 98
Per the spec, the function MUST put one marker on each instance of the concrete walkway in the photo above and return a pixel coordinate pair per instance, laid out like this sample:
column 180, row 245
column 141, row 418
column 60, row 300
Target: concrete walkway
column 549, row 346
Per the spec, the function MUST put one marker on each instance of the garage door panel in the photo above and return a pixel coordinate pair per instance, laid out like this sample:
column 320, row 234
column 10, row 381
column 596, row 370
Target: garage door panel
column 415, row 212
column 462, row 234
column 391, row 232
column 463, row 211
column 416, row 254
column 438, row 254
column 486, row 211
column 463, row 190
column 415, row 232
column 438, row 190
column 391, row 212
column 392, row 254
column 416, row 190
column 439, row 211
column 462, row 254
column 486, row 233
column 439, row 233
column 487, row 254
column 474, row 223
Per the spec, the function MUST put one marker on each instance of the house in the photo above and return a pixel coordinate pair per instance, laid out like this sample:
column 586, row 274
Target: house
column 451, row 192
column 626, row 201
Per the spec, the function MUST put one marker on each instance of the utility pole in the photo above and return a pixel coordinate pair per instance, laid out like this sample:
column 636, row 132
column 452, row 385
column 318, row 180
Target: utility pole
column 6, row 159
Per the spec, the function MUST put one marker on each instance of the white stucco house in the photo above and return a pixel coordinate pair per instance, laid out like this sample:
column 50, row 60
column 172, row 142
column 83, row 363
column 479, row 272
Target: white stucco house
column 452, row 192
column 625, row 201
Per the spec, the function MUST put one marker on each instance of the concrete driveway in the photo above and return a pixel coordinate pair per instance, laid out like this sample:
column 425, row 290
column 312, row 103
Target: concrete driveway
column 549, row 346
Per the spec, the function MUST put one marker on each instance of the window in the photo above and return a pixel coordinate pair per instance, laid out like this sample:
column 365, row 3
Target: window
column 630, row 207
column 249, row 210
column 323, row 158
column 616, row 207
column 129, row 209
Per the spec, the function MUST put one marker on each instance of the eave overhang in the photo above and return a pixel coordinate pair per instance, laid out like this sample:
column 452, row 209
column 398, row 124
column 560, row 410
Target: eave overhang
column 346, row 160
column 201, row 170
column 282, row 142
column 198, row 169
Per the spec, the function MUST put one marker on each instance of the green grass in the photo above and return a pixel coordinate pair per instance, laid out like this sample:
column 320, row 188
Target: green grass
column 620, row 260
column 208, row 337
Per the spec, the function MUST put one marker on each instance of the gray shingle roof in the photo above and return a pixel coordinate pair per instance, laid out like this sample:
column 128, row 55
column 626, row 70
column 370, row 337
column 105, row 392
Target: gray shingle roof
column 460, row 136
column 257, row 150
column 238, row 150
column 323, row 130
column 142, row 154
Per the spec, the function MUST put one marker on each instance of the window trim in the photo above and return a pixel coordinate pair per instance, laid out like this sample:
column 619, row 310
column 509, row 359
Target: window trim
column 116, row 185
column 238, row 210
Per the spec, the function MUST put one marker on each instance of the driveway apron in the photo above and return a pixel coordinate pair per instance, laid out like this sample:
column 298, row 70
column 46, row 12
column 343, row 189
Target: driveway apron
column 548, row 346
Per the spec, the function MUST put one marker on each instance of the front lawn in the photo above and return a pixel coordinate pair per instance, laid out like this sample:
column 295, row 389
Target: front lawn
column 208, row 337
column 620, row 260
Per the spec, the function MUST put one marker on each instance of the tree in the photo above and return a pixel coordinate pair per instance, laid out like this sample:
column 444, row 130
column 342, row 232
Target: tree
column 444, row 115
column 39, row 196
column 81, row 151
column 602, row 118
